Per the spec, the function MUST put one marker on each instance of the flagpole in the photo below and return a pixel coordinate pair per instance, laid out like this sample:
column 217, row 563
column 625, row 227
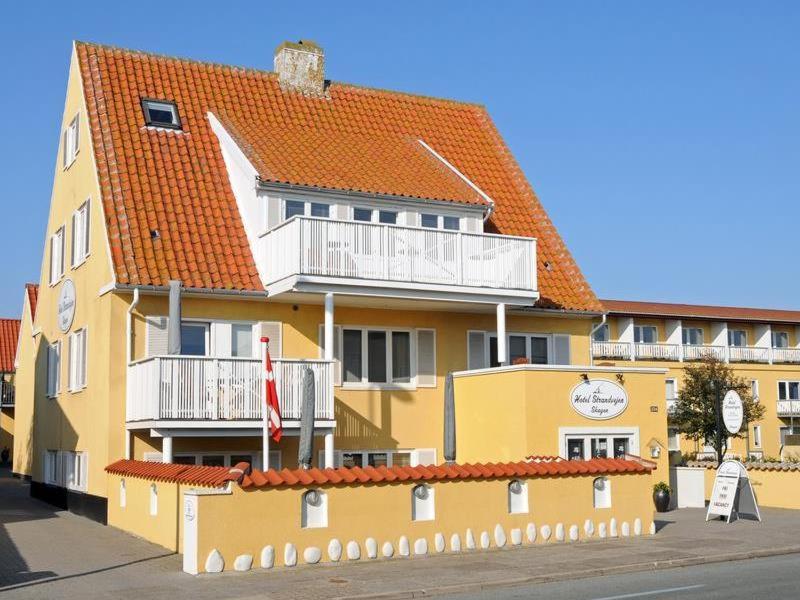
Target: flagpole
column 265, row 413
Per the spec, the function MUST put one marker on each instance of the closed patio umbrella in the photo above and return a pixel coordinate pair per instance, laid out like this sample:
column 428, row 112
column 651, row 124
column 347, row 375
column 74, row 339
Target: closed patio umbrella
column 306, row 421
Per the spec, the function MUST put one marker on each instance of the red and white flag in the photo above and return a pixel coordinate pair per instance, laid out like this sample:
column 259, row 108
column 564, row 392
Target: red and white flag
column 273, row 407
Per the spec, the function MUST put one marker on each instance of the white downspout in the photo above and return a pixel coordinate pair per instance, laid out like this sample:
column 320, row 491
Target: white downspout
column 591, row 337
column 129, row 356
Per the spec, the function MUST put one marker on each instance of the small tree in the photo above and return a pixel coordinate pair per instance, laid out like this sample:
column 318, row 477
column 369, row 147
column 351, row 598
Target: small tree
column 695, row 413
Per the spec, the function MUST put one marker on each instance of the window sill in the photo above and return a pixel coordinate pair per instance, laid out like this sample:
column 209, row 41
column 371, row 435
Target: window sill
column 80, row 262
column 77, row 390
column 53, row 284
column 408, row 387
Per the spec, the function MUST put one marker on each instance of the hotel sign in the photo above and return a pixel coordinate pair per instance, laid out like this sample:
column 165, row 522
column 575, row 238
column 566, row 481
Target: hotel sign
column 66, row 305
column 599, row 399
column 732, row 412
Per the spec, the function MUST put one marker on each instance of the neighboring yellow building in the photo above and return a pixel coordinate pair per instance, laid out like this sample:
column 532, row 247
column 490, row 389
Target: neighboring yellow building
column 9, row 336
column 762, row 346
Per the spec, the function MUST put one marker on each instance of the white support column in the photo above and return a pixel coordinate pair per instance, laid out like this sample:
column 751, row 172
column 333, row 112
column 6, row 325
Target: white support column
column 127, row 444
column 166, row 449
column 329, row 326
column 763, row 339
column 329, row 450
column 674, row 329
column 625, row 334
column 265, row 443
column 501, row 333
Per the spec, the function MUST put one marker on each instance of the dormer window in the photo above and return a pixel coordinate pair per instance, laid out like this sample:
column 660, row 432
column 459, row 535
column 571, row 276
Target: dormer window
column 433, row 221
column 161, row 113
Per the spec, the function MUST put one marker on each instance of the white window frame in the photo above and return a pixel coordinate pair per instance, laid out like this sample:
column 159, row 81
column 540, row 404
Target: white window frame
column 209, row 341
column 307, row 207
column 81, row 224
column 77, row 360
column 528, row 346
column 57, row 251
column 440, row 221
column 67, row 468
column 71, row 142
column 686, row 332
column 54, row 354
column 787, row 386
column 374, row 214
column 754, row 391
column 365, row 452
column 757, row 436
column 783, row 335
column 640, row 329
column 733, row 333
column 586, row 433
column 674, row 381
column 389, row 384
column 605, row 335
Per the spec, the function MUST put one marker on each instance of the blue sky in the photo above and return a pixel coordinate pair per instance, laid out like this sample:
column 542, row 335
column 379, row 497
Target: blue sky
column 663, row 138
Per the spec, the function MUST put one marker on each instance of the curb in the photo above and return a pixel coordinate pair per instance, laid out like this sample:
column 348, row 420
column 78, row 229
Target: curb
column 479, row 586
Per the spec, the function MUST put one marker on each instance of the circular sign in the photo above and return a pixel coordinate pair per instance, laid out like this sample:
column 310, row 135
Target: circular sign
column 598, row 399
column 66, row 305
column 732, row 412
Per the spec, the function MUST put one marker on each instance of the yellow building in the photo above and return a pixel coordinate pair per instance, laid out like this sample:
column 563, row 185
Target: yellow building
column 9, row 335
column 762, row 346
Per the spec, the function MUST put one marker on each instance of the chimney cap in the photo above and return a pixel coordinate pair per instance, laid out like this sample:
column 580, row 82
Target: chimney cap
column 302, row 45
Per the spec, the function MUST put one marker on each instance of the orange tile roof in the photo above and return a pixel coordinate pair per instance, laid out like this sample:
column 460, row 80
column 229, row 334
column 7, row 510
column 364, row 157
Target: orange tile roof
column 700, row 311
column 9, row 334
column 354, row 139
column 32, row 289
column 174, row 473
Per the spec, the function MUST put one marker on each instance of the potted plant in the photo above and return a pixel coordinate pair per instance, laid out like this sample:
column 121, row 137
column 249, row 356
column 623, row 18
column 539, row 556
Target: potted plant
column 661, row 496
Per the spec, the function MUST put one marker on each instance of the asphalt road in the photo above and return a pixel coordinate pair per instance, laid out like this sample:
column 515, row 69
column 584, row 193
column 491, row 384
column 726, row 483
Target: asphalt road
column 774, row 577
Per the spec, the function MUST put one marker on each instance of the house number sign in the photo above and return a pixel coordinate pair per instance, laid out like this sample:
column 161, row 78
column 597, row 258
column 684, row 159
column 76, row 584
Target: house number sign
column 599, row 399
column 66, row 305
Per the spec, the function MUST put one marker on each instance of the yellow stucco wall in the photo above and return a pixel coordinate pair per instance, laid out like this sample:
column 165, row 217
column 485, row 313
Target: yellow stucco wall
column 776, row 489
column 27, row 377
column 7, row 429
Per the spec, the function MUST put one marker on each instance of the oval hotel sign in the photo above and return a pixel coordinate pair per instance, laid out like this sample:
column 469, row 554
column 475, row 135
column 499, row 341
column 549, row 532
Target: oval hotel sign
column 66, row 305
column 599, row 399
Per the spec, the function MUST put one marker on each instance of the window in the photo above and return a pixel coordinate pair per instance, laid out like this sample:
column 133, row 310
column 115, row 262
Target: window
column 693, row 336
column 161, row 113
column 757, row 436
column 673, row 439
column 672, row 389
column 584, row 446
column 66, row 468
column 80, row 234
column 57, row 255
column 51, row 469
column 213, row 460
column 362, row 214
column 387, row 458
column 784, row 431
column 153, row 500
column 368, row 215
column 601, row 333
column 602, row 492
column 294, row 208
column 194, row 339
column 452, row 223
column 517, row 497
column 737, row 337
column 241, row 340
column 77, row 360
column 314, row 509
column 70, row 142
column 123, row 494
column 754, row 389
column 789, row 390
column 53, row 368
column 645, row 334
column 780, row 339
column 432, row 221
column 422, row 503
column 387, row 217
column 376, row 356
column 530, row 348
column 318, row 209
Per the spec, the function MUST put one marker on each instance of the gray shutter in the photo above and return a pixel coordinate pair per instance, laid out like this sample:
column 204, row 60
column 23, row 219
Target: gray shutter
column 561, row 349
column 426, row 357
column 337, row 351
column 274, row 331
column 156, row 336
column 476, row 350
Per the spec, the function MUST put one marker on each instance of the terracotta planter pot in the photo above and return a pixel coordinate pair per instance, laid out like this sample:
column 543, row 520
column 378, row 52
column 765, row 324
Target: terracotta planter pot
column 661, row 500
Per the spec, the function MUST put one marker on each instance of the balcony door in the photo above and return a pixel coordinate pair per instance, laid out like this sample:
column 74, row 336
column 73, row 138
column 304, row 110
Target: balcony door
column 195, row 338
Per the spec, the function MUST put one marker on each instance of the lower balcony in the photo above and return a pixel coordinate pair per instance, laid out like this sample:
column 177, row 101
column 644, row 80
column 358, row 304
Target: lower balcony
column 788, row 408
column 196, row 392
column 786, row 355
column 611, row 350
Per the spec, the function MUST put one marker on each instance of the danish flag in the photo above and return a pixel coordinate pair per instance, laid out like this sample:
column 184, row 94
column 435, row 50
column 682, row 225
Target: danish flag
column 272, row 406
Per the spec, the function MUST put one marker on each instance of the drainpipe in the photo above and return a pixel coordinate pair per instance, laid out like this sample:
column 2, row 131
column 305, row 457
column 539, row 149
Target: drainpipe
column 129, row 356
column 489, row 210
column 591, row 337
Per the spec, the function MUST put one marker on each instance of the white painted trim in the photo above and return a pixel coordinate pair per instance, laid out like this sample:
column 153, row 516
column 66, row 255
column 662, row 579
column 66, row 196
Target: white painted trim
column 463, row 177
column 109, row 287
column 570, row 368
column 188, row 428
column 607, row 431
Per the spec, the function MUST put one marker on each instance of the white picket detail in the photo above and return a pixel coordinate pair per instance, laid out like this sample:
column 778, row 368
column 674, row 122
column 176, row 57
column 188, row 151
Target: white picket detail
column 697, row 352
column 786, row 355
column 373, row 251
column 757, row 354
column 657, row 351
column 611, row 350
column 206, row 388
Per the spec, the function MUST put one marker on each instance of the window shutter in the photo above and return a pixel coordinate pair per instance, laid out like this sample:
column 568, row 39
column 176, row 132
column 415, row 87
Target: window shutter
column 51, row 379
column 61, row 251
column 274, row 331
column 337, row 351
column 476, row 350
column 64, row 148
column 82, row 371
column 561, row 349
column 424, row 457
column 77, row 133
column 75, row 241
column 86, row 220
column 156, row 336
column 221, row 337
column 71, row 366
column 426, row 357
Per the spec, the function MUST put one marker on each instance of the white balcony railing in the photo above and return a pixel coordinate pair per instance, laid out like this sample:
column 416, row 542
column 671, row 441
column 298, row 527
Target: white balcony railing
column 786, row 355
column 372, row 251
column 749, row 354
column 788, row 408
column 611, row 350
column 657, row 351
column 221, row 389
column 697, row 352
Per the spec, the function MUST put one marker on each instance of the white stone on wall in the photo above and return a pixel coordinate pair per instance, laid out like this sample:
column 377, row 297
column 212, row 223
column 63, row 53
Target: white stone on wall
column 470, row 540
column 612, row 528
column 403, row 546
column 560, row 532
column 653, row 528
column 353, row 550
column 438, row 542
column 573, row 533
column 312, row 555
column 387, row 550
column 372, row 547
column 455, row 543
column 485, row 542
column 530, row 531
column 602, row 530
column 588, row 528
column 516, row 536
column 243, row 562
column 637, row 526
column 267, row 557
column 289, row 555
column 421, row 547
column 626, row 529
column 215, row 563
column 335, row 550
column 499, row 536
column 546, row 532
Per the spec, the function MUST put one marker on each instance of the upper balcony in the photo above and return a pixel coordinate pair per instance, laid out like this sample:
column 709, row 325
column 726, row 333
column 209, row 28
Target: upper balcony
column 788, row 408
column 199, row 391
column 308, row 254
column 687, row 352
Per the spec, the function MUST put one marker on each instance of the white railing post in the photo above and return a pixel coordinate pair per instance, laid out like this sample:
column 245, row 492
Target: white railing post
column 460, row 258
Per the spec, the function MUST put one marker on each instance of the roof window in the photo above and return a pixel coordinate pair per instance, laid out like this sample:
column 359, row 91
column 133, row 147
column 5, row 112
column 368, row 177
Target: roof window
column 161, row 113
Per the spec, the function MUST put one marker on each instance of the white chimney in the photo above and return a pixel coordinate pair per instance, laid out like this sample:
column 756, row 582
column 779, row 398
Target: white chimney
column 301, row 67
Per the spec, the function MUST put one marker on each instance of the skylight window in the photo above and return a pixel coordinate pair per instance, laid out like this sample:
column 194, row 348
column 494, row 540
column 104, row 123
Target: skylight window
column 161, row 113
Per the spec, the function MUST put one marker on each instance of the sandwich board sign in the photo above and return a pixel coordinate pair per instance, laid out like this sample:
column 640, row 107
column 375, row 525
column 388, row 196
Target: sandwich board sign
column 732, row 412
column 733, row 494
